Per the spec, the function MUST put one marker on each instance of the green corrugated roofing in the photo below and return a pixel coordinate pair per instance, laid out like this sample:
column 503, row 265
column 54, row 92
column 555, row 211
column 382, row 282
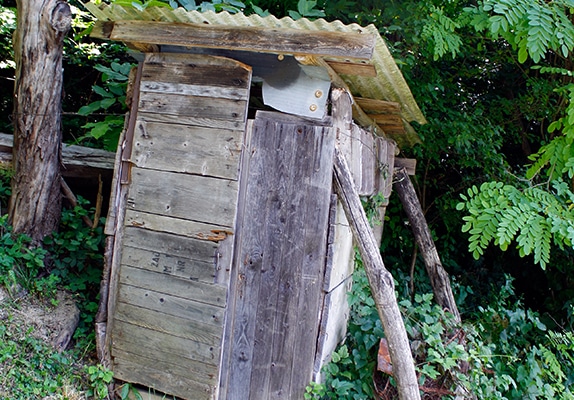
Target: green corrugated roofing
column 389, row 84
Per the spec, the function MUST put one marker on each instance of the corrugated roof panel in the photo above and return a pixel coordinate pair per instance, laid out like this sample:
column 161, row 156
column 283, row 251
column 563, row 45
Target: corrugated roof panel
column 389, row 84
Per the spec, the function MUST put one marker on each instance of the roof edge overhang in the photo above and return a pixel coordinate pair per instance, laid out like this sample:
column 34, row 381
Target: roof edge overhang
column 356, row 58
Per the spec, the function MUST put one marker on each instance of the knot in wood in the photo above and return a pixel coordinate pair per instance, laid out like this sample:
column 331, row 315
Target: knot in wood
column 61, row 18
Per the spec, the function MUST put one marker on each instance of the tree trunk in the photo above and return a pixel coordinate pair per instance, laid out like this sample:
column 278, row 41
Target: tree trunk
column 438, row 276
column 381, row 282
column 38, row 42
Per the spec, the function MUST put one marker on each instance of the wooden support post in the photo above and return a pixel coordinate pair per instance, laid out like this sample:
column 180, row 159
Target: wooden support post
column 380, row 280
column 384, row 180
column 437, row 274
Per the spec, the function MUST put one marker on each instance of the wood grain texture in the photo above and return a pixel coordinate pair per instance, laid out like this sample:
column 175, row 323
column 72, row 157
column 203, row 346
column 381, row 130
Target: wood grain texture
column 192, row 150
column 171, row 276
column 191, row 197
column 136, row 370
column 182, row 120
column 280, row 261
column 163, row 283
column 222, row 92
column 181, row 227
column 324, row 43
column 169, row 324
column 205, row 107
column 171, row 305
column 173, row 245
column 198, row 70
column 353, row 68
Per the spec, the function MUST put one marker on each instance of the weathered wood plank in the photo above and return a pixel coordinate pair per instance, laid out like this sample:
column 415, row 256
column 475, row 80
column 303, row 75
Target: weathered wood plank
column 409, row 164
column 136, row 339
column 278, row 284
column 195, row 372
column 367, row 154
column 353, row 68
column 193, row 150
column 196, row 69
column 265, row 40
column 196, row 198
column 205, row 107
column 174, row 286
column 293, row 119
column 181, row 227
column 199, row 121
column 171, row 305
column 169, row 324
column 78, row 161
column 279, row 258
column 386, row 150
column 248, row 260
column 308, row 306
column 161, row 380
column 237, row 282
column 342, row 251
column 378, row 106
column 197, row 90
column 168, row 264
column 176, row 246
column 332, row 330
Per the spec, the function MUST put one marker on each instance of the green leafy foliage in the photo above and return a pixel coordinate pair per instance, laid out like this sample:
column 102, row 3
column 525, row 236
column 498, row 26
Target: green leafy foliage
column 112, row 93
column 29, row 368
column 7, row 26
column 506, row 352
column 99, row 377
column 21, row 263
column 439, row 30
column 533, row 217
column 306, row 9
column 533, row 27
column 77, row 252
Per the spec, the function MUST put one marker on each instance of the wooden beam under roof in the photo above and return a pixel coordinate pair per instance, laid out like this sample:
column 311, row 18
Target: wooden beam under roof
column 348, row 67
column 257, row 39
column 387, row 114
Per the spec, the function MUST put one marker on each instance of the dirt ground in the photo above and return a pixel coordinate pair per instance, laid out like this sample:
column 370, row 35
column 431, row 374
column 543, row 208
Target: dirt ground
column 52, row 324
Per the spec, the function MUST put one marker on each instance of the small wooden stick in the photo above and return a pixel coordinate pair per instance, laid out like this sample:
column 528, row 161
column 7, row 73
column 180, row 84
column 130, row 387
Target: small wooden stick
column 73, row 200
column 99, row 201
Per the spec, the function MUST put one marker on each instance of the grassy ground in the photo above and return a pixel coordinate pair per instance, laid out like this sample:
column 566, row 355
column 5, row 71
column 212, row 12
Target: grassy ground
column 30, row 367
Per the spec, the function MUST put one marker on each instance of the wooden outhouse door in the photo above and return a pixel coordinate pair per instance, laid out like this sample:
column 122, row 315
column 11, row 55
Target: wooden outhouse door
column 278, row 269
column 174, row 237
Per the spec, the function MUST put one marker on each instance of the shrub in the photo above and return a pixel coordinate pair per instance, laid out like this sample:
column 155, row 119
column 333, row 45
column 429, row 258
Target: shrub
column 502, row 352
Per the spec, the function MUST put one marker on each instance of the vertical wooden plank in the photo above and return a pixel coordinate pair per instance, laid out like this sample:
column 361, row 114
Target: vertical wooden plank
column 368, row 157
column 309, row 302
column 386, row 150
column 337, row 283
column 234, row 278
column 280, row 261
column 277, row 282
column 247, row 262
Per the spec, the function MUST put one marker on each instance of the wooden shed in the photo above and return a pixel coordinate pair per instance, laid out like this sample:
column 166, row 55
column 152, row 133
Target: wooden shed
column 228, row 257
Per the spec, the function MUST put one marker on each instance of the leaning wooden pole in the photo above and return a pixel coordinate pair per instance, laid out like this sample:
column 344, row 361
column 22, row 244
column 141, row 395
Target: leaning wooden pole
column 438, row 276
column 380, row 280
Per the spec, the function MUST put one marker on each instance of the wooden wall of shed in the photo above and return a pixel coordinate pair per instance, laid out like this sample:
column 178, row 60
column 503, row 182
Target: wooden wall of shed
column 278, row 271
column 371, row 161
column 174, row 234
